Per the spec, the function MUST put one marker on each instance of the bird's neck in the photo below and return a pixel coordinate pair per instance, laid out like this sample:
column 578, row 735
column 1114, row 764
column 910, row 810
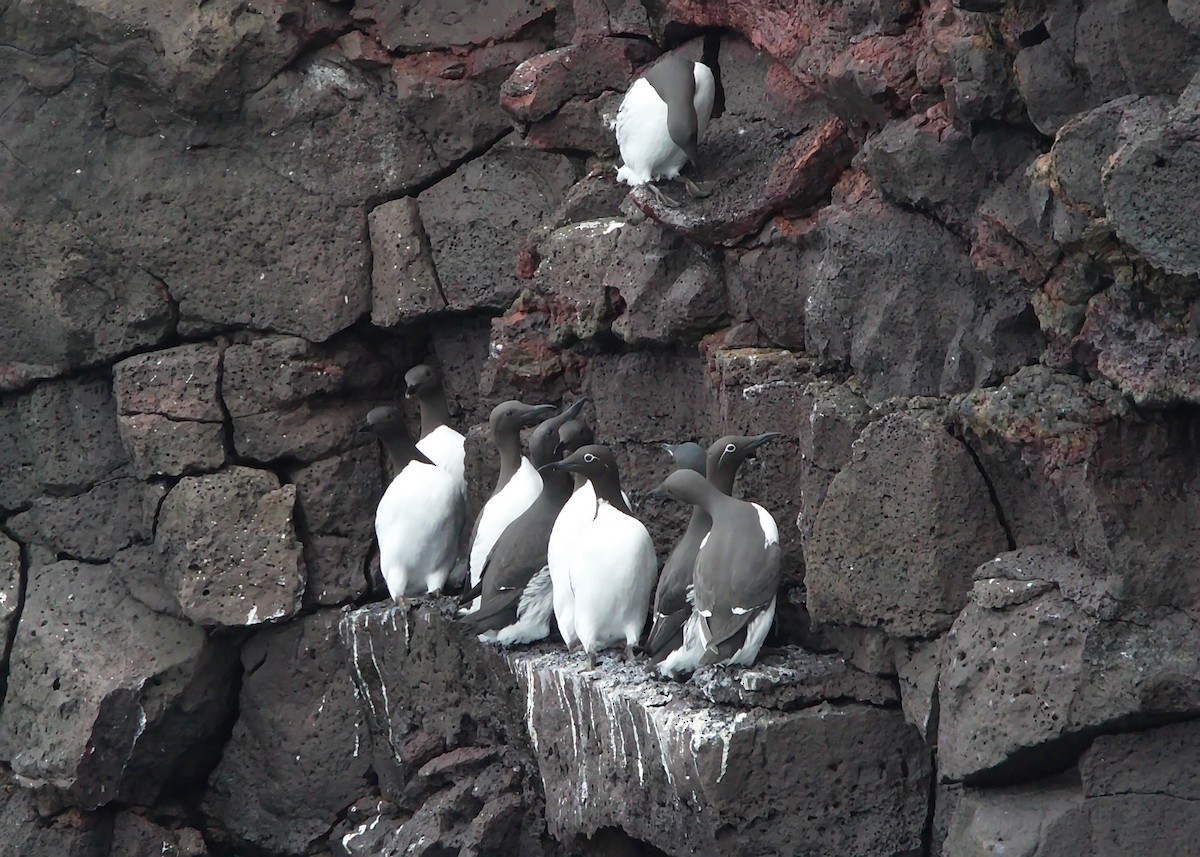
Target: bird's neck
column 435, row 413
column 401, row 451
column 508, row 444
column 608, row 489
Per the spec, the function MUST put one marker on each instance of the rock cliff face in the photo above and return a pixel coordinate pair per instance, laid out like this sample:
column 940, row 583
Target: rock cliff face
column 953, row 255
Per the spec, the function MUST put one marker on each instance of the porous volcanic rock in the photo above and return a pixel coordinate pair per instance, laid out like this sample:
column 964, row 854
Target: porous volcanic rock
column 61, row 438
column 1038, row 662
column 404, row 282
column 1083, row 146
column 136, row 701
column 336, row 499
column 10, row 596
column 472, row 216
column 435, row 699
column 1063, row 456
column 541, row 85
column 134, row 835
column 896, row 298
column 709, row 776
column 769, row 283
column 281, row 395
column 644, row 283
column 24, row 833
column 409, row 29
column 1131, row 794
column 790, row 680
column 170, row 410
column 1144, row 188
column 230, row 547
column 832, row 416
column 93, row 525
column 300, row 750
column 900, row 530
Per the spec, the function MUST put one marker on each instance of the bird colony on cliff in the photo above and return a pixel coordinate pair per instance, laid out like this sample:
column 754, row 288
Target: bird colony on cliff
column 559, row 539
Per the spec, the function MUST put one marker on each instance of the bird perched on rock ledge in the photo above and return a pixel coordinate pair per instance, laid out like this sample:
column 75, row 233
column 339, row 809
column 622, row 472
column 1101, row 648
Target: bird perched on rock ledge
column 660, row 122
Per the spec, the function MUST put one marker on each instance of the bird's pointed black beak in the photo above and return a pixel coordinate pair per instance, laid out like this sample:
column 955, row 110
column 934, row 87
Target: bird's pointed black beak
column 763, row 438
column 409, row 392
column 536, row 412
column 557, row 465
column 659, row 492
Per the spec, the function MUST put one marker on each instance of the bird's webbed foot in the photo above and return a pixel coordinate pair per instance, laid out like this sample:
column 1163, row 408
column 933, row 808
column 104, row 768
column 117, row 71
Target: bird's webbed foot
column 669, row 202
column 698, row 190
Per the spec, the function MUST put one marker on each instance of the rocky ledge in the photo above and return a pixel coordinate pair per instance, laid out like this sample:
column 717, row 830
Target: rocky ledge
column 619, row 748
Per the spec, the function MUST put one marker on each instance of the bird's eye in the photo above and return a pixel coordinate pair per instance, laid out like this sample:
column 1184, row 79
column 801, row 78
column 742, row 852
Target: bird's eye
column 729, row 447
column 589, row 458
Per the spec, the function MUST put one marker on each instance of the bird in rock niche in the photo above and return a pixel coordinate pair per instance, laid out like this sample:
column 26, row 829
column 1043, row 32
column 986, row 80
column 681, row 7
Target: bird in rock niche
column 735, row 582
column 419, row 516
column 609, row 560
column 660, row 122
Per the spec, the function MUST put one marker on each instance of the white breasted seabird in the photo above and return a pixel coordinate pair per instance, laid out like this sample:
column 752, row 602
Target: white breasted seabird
column 419, row 516
column 660, row 122
column 442, row 444
column 735, row 582
column 671, row 606
column 610, row 560
column 517, row 486
column 516, row 601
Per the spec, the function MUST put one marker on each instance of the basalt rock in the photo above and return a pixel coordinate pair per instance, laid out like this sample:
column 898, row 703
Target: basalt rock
column 899, row 530
column 1060, row 456
column 136, row 699
column 300, row 751
column 766, row 156
column 93, row 525
column 695, row 764
column 471, row 216
column 229, row 546
column 1041, row 654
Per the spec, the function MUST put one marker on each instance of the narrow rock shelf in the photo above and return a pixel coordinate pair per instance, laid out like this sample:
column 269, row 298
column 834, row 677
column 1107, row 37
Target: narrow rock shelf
column 619, row 747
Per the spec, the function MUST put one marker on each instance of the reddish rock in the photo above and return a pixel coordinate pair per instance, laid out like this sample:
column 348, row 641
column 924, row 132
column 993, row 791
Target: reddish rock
column 363, row 51
column 769, row 282
column 764, row 158
column 1155, row 367
column 524, row 359
column 134, row 835
column 541, row 85
column 25, row 833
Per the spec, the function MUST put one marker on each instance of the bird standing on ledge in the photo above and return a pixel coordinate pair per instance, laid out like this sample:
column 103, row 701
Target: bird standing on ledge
column 660, row 122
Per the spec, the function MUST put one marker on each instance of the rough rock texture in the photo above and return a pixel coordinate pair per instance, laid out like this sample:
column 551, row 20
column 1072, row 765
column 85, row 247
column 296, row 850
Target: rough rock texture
column 1082, row 668
column 898, row 531
column 134, row 699
column 300, row 724
column 951, row 255
column 230, row 547
column 694, row 763
column 1130, row 793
